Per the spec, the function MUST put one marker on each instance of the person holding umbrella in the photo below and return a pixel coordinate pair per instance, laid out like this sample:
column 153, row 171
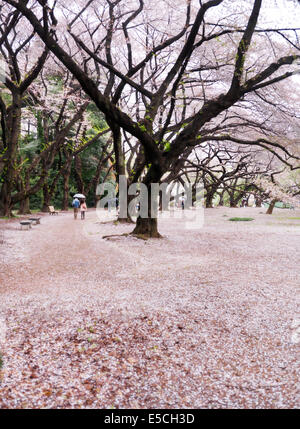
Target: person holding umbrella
column 83, row 209
column 78, row 200
column 75, row 205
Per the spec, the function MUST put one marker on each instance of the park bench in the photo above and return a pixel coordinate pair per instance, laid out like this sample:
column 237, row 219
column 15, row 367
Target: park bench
column 35, row 220
column 52, row 211
column 25, row 223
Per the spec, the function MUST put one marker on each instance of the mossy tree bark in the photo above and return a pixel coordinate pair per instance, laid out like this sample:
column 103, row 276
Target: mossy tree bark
column 25, row 203
column 13, row 128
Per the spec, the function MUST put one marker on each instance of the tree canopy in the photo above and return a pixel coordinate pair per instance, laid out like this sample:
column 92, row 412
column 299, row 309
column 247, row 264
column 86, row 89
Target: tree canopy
column 202, row 77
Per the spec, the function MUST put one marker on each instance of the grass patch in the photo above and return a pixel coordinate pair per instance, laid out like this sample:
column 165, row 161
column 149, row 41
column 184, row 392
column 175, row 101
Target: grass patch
column 281, row 218
column 241, row 219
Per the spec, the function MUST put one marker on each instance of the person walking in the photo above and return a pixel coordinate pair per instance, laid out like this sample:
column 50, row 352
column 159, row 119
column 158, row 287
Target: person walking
column 75, row 205
column 83, row 209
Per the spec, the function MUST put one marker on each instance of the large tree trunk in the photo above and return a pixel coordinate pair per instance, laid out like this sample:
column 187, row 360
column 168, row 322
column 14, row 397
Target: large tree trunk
column 146, row 228
column 5, row 201
column 24, row 207
column 8, row 177
column 271, row 206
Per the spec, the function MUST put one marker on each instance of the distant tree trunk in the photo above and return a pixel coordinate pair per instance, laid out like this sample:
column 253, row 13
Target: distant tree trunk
column 78, row 175
column 25, row 203
column 232, row 201
column 48, row 191
column 238, row 198
column 235, row 200
column 93, row 185
column 271, row 206
column 46, row 198
column 208, row 201
column 161, row 202
column 160, row 205
column 66, row 176
column 221, row 201
column 258, row 202
column 119, row 162
column 194, row 194
column 128, row 218
column 209, row 197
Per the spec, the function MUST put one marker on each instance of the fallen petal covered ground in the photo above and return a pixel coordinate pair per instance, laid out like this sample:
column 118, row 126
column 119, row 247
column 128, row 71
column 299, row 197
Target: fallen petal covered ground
column 200, row 319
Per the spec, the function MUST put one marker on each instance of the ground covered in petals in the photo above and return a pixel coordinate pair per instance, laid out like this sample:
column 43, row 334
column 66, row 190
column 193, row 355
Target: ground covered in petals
column 203, row 318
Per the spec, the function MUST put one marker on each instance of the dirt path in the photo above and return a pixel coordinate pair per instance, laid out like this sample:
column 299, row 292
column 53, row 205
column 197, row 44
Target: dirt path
column 204, row 318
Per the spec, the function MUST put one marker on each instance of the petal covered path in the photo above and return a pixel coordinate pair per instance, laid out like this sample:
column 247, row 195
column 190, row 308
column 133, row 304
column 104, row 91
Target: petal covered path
column 200, row 319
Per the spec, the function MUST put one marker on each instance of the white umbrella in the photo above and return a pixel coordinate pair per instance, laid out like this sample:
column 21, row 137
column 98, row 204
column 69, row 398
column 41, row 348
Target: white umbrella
column 79, row 196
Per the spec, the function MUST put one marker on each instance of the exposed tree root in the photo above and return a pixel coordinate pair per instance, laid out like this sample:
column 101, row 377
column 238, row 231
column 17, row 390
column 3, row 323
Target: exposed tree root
column 109, row 237
column 139, row 236
column 117, row 221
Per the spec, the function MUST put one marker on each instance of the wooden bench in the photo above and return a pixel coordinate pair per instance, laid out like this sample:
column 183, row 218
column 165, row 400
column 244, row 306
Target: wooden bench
column 35, row 220
column 52, row 211
column 26, row 223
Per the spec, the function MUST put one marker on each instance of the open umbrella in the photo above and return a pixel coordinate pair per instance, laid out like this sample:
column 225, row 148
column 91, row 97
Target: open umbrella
column 79, row 196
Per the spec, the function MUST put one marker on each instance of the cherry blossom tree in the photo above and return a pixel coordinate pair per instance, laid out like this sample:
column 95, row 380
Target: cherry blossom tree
column 25, row 58
column 187, row 79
